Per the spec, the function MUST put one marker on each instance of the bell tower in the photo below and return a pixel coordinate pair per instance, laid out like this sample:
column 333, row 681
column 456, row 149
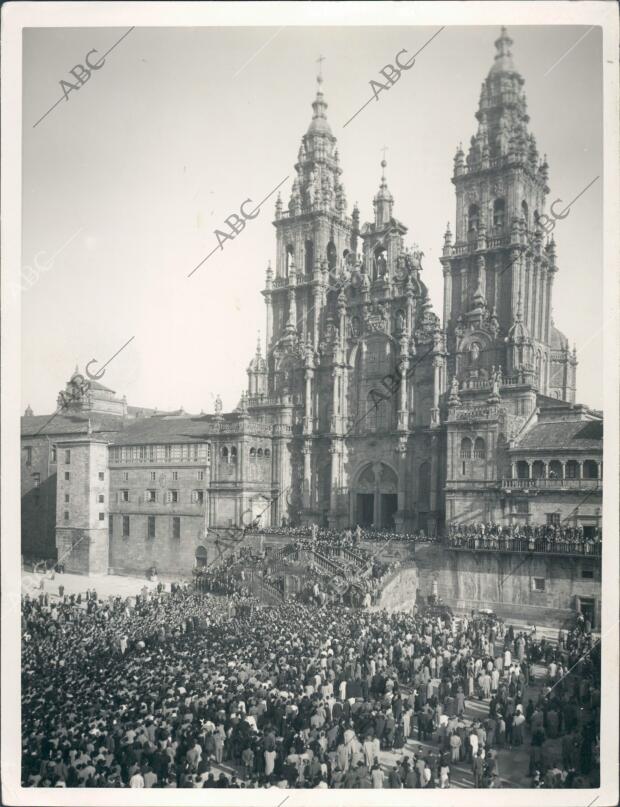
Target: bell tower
column 313, row 235
column 499, row 270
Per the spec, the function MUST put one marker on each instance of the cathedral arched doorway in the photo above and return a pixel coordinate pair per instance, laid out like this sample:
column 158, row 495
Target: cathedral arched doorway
column 375, row 496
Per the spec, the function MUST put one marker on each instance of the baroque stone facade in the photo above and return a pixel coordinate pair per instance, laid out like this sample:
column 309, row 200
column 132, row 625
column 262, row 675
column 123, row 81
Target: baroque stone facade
column 363, row 407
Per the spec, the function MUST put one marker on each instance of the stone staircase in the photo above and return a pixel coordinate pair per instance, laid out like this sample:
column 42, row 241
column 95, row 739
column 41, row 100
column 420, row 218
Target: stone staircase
column 264, row 591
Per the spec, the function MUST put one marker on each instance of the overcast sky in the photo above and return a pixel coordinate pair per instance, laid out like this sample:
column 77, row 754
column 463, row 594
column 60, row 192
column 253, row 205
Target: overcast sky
column 132, row 174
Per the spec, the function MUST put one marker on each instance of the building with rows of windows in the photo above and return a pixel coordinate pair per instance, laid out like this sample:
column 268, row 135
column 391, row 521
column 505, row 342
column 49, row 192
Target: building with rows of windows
column 363, row 407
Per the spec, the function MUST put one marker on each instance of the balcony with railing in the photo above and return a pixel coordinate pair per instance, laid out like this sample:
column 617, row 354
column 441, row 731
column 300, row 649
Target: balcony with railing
column 525, row 545
column 552, row 484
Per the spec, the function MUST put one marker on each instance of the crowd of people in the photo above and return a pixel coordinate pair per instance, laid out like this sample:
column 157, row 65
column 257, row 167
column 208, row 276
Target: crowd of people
column 556, row 538
column 192, row 690
column 352, row 535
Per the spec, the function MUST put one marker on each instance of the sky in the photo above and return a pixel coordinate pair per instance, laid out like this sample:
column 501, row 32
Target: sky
column 125, row 182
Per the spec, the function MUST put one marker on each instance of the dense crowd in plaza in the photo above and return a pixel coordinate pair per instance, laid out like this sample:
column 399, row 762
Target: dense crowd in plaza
column 525, row 538
column 165, row 690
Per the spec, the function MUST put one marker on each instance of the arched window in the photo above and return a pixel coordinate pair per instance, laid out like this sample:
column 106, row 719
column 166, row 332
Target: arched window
column 290, row 258
column 267, row 453
column 233, row 454
column 499, row 209
column 201, row 556
column 377, row 413
column 555, row 469
column 523, row 470
column 538, row 469
column 473, row 218
column 590, row 470
column 572, row 469
column 525, row 213
column 252, row 453
column 225, row 453
column 309, row 257
column 332, row 256
column 465, row 448
column 480, row 449
column 259, row 453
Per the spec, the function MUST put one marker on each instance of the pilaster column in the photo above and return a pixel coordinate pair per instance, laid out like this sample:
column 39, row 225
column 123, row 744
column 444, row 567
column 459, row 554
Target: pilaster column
column 307, row 490
column 464, row 290
column 316, row 312
column 403, row 367
column 335, row 399
column 563, row 469
column 268, row 323
column 599, row 466
column 292, row 300
column 513, row 470
column 529, row 469
column 401, row 451
column 308, row 419
column 580, row 469
column 447, row 294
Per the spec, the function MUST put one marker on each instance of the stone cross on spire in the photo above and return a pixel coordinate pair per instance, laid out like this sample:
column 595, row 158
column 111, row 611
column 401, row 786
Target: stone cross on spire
column 320, row 61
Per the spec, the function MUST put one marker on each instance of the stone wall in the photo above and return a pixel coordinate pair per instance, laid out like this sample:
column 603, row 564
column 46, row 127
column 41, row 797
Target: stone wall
column 505, row 582
column 400, row 592
column 38, row 498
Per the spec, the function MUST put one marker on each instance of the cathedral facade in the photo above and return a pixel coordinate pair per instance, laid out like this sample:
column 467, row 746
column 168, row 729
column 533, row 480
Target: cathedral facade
column 363, row 406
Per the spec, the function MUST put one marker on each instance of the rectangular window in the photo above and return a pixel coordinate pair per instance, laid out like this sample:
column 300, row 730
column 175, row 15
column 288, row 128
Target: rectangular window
column 151, row 496
column 173, row 496
column 201, row 476
column 553, row 519
column 101, row 516
column 125, row 526
column 151, row 453
column 522, row 507
column 53, row 458
column 66, row 515
column 36, row 480
column 28, row 455
column 168, row 453
column 124, row 495
column 196, row 452
column 67, row 456
column 125, row 476
column 176, row 527
column 66, row 498
column 67, row 476
column 538, row 583
column 198, row 496
column 587, row 574
column 101, row 498
column 151, row 526
column 175, row 476
column 152, row 476
column 111, row 526
column 101, row 476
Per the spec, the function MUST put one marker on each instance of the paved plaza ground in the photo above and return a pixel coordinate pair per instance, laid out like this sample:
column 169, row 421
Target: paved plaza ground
column 105, row 585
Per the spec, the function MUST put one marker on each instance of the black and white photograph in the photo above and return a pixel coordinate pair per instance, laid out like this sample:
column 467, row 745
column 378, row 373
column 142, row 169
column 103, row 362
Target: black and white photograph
column 310, row 403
